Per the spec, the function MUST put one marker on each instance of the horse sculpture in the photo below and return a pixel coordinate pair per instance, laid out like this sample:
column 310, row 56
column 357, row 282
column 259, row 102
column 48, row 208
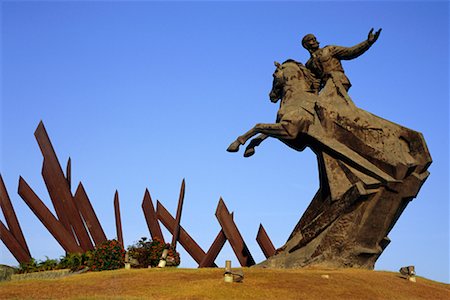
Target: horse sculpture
column 369, row 170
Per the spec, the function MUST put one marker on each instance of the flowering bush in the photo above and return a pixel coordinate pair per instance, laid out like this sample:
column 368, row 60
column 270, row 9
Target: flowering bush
column 148, row 253
column 108, row 255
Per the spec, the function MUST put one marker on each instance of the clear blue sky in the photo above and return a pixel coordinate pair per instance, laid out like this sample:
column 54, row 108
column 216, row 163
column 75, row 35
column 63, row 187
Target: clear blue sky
column 143, row 94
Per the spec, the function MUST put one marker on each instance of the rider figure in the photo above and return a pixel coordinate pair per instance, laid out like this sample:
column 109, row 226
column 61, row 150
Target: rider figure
column 325, row 63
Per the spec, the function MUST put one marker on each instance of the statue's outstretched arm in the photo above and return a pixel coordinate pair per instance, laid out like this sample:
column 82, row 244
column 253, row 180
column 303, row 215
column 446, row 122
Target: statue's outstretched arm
column 346, row 53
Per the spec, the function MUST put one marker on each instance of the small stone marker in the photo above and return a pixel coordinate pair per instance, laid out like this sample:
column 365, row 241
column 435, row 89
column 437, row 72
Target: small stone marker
column 162, row 261
column 326, row 276
column 230, row 276
column 127, row 261
column 409, row 273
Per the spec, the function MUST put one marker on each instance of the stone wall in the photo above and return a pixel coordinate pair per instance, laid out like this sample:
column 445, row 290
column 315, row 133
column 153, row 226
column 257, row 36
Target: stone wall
column 6, row 272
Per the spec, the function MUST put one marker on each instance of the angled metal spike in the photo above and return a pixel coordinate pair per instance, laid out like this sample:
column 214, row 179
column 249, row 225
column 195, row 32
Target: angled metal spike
column 233, row 235
column 59, row 191
column 214, row 250
column 86, row 210
column 176, row 231
column 13, row 245
column 69, row 173
column 151, row 218
column 264, row 242
column 59, row 232
column 185, row 239
column 11, row 218
column 118, row 220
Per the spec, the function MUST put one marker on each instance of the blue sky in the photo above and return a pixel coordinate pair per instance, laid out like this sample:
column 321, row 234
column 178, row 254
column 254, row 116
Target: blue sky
column 143, row 94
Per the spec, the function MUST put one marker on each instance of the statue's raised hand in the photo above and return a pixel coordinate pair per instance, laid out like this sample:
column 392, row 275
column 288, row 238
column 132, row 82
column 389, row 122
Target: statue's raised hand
column 372, row 38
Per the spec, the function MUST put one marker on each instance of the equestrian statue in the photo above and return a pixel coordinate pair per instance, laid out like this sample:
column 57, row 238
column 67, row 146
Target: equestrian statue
column 369, row 168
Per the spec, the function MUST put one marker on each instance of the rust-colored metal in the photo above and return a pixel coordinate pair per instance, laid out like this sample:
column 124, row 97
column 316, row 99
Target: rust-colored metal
column 185, row 239
column 69, row 173
column 13, row 245
column 118, row 220
column 84, row 206
column 52, row 189
column 151, row 218
column 50, row 160
column 233, row 235
column 59, row 191
column 11, row 218
column 264, row 242
column 59, row 232
column 176, row 231
column 213, row 251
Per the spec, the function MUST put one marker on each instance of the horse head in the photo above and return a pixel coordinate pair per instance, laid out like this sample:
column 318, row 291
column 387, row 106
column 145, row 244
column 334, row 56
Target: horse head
column 285, row 74
column 278, row 83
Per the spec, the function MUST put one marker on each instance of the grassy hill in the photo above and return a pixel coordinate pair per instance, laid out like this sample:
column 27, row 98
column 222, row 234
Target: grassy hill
column 172, row 283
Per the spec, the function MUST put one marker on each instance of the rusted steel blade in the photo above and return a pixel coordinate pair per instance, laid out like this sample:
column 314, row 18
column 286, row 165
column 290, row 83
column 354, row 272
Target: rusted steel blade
column 118, row 220
column 264, row 242
column 213, row 251
column 59, row 232
column 11, row 218
column 49, row 170
column 151, row 218
column 52, row 189
column 185, row 239
column 13, row 245
column 59, row 191
column 87, row 212
column 176, row 231
column 69, row 173
column 233, row 235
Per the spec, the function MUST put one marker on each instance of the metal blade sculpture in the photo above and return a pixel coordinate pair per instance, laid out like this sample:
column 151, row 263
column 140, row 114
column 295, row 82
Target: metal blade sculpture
column 188, row 243
column 214, row 249
column 233, row 235
column 13, row 245
column 59, row 191
column 13, row 223
column 176, row 231
column 264, row 242
column 55, row 227
column 87, row 212
column 118, row 220
column 151, row 218
column 75, row 214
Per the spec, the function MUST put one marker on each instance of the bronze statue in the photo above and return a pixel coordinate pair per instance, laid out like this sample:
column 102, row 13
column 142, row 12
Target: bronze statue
column 325, row 63
column 369, row 168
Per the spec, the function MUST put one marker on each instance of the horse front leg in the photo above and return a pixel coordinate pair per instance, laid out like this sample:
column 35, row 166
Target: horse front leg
column 241, row 140
column 283, row 130
column 250, row 150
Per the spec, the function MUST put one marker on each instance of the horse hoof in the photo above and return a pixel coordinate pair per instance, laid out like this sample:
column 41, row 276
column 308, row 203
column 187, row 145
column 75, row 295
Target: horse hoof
column 249, row 152
column 234, row 147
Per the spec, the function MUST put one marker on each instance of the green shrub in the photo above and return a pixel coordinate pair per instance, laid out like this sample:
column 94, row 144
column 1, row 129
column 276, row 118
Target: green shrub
column 28, row 267
column 109, row 255
column 75, row 261
column 38, row 265
column 47, row 264
column 148, row 253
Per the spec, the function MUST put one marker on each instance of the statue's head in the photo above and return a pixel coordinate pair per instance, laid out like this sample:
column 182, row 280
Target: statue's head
column 309, row 42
